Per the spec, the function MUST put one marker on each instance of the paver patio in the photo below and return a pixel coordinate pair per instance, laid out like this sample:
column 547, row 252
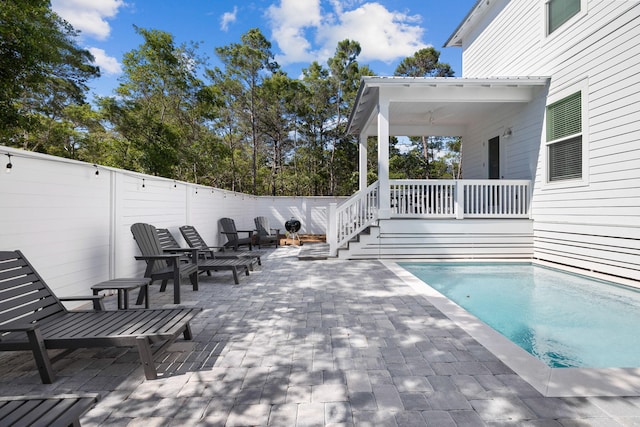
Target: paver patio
column 311, row 343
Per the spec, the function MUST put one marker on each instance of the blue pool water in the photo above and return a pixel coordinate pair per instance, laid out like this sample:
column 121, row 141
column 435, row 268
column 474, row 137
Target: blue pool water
column 563, row 319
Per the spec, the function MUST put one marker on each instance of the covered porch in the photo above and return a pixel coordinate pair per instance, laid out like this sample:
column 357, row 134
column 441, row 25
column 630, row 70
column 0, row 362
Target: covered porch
column 499, row 121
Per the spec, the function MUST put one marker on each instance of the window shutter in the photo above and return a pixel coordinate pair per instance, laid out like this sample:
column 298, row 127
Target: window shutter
column 560, row 11
column 564, row 118
column 565, row 159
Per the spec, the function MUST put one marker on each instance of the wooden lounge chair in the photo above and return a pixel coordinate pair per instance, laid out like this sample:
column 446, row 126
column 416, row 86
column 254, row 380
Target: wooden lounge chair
column 266, row 235
column 234, row 241
column 45, row 411
column 195, row 240
column 169, row 244
column 33, row 318
column 161, row 265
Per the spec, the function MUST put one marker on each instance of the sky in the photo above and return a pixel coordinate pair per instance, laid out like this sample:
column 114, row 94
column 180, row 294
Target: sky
column 300, row 31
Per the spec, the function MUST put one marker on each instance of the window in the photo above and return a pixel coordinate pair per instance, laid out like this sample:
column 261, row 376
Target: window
column 559, row 12
column 564, row 139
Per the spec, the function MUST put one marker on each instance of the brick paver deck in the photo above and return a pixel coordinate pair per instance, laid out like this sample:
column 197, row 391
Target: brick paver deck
column 311, row 343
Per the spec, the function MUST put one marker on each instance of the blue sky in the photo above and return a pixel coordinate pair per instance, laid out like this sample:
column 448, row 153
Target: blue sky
column 300, row 31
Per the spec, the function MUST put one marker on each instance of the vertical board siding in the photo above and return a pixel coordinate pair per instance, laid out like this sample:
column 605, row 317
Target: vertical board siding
column 75, row 227
column 595, row 225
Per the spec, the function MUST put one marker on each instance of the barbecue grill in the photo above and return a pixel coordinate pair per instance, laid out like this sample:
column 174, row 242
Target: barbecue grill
column 293, row 226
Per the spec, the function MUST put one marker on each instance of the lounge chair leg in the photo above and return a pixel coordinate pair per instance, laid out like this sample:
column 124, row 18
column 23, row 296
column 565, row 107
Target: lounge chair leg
column 194, row 280
column 187, row 332
column 142, row 295
column 246, row 270
column 176, row 283
column 163, row 286
column 235, row 276
column 43, row 362
column 146, row 358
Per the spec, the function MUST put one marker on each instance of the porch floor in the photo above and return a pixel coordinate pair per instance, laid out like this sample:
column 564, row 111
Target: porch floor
column 325, row 342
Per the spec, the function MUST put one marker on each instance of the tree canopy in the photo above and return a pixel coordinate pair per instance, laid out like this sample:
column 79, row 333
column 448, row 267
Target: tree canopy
column 245, row 125
column 42, row 72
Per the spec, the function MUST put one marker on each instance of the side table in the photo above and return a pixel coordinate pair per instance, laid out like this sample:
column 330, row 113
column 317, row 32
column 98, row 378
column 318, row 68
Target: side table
column 123, row 286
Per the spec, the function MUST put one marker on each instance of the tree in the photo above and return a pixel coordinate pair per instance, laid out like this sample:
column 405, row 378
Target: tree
column 424, row 63
column 315, row 113
column 42, row 71
column 162, row 107
column 277, row 119
column 345, row 78
column 246, row 61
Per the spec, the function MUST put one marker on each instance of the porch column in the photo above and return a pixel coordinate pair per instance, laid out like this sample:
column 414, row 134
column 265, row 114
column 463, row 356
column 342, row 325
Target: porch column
column 362, row 162
column 383, row 157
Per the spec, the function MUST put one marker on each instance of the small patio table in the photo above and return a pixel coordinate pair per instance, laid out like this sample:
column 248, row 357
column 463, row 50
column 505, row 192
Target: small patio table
column 123, row 286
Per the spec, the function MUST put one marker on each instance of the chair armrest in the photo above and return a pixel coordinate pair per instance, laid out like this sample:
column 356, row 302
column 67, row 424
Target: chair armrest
column 157, row 257
column 179, row 249
column 98, row 305
column 18, row 327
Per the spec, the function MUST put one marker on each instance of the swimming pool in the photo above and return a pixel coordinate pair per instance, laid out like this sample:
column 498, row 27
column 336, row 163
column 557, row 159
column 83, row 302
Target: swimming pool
column 565, row 320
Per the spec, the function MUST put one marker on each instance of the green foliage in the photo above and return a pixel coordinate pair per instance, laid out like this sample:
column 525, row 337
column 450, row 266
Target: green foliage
column 42, row 71
column 245, row 126
column 424, row 63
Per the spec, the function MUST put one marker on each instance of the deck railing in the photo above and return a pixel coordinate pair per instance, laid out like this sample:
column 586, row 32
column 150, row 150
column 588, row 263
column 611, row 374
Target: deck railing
column 352, row 217
column 429, row 199
column 460, row 198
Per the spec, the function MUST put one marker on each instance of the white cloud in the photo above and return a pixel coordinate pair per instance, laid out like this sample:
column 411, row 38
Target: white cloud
column 228, row 18
column 88, row 16
column 108, row 64
column 304, row 31
column 383, row 35
column 289, row 24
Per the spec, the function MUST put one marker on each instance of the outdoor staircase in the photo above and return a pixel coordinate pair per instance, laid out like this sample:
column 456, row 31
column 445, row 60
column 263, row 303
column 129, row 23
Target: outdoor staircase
column 435, row 219
column 442, row 240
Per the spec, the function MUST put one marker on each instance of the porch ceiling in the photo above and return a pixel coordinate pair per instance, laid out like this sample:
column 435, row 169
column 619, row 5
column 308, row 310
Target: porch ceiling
column 436, row 106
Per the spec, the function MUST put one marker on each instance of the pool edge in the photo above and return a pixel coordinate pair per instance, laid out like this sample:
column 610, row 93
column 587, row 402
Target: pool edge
column 550, row 382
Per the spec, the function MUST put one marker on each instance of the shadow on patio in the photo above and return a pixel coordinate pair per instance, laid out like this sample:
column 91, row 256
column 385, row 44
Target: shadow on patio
column 310, row 343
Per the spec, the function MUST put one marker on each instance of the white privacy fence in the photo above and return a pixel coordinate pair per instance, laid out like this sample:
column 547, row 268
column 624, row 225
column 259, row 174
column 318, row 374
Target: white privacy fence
column 74, row 224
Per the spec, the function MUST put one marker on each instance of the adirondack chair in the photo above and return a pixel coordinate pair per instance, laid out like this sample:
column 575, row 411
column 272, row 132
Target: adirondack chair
column 265, row 234
column 33, row 318
column 195, row 240
column 45, row 411
column 161, row 265
column 233, row 239
column 169, row 244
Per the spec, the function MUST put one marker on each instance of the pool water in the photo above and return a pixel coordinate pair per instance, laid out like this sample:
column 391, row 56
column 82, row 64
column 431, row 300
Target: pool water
column 563, row 319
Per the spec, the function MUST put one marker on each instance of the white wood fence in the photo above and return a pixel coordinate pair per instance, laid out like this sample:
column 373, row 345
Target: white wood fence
column 74, row 224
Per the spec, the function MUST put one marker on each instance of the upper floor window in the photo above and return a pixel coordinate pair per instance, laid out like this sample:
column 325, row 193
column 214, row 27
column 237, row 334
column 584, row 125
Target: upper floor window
column 559, row 12
column 564, row 139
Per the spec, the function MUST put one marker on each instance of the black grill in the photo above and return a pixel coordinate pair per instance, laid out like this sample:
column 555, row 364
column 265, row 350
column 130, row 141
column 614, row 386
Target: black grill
column 293, row 226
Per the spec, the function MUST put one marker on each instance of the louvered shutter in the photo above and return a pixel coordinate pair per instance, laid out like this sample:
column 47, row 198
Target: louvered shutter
column 564, row 125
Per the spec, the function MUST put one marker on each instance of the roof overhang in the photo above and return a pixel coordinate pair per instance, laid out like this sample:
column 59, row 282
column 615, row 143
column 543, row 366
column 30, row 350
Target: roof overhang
column 441, row 106
column 477, row 12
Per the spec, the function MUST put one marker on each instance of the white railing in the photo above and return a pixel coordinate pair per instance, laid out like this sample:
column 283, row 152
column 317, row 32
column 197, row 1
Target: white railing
column 352, row 217
column 418, row 198
column 429, row 199
column 496, row 198
column 460, row 198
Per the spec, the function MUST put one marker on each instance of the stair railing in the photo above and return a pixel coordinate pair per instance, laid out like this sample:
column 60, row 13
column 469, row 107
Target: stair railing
column 352, row 217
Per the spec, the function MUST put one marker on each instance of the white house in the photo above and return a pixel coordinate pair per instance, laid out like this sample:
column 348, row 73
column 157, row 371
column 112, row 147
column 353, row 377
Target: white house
column 548, row 108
